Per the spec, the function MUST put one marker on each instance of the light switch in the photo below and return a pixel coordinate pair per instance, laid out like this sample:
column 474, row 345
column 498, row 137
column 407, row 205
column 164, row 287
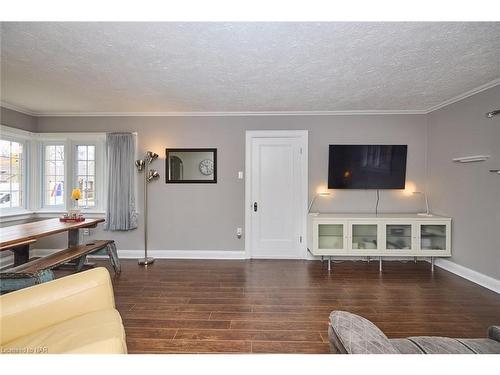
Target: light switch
column 239, row 232
column 240, row 175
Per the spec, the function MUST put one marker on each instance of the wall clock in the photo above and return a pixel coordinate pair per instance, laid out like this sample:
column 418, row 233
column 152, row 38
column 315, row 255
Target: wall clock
column 206, row 167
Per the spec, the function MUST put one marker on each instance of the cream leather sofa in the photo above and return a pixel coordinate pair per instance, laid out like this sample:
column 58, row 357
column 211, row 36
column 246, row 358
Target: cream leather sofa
column 73, row 314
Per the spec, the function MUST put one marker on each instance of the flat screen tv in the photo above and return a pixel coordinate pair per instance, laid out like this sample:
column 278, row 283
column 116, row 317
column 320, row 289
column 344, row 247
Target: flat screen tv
column 367, row 166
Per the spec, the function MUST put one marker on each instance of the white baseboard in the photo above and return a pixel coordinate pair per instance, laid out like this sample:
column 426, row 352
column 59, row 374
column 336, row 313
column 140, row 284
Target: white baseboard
column 183, row 254
column 471, row 275
column 277, row 257
column 163, row 254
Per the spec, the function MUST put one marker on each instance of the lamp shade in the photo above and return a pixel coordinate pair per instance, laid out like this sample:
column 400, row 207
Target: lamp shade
column 151, row 156
column 139, row 164
column 76, row 194
column 153, row 175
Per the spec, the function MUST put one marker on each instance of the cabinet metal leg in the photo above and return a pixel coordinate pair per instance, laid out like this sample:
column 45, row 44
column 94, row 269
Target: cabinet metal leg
column 380, row 264
column 329, row 264
column 432, row 264
column 415, row 260
column 368, row 259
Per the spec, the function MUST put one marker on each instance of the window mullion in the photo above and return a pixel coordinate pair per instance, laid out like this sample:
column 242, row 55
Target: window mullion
column 68, row 170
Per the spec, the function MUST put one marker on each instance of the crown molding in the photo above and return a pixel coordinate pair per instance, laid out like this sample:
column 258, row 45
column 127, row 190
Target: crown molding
column 18, row 109
column 465, row 95
column 233, row 114
column 455, row 99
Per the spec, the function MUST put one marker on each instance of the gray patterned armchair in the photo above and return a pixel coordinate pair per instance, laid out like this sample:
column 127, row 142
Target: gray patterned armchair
column 353, row 334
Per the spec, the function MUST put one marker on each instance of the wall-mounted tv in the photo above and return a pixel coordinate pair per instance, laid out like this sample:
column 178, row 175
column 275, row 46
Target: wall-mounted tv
column 367, row 166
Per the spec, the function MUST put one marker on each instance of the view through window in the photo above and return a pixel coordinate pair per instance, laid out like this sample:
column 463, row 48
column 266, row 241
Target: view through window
column 54, row 175
column 11, row 174
column 85, row 155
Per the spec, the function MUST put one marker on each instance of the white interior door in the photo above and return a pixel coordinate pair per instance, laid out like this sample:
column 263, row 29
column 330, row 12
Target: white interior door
column 277, row 200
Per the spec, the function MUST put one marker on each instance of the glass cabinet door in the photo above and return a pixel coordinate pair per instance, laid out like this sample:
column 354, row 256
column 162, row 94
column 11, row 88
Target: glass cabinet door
column 331, row 236
column 398, row 237
column 364, row 236
column 433, row 237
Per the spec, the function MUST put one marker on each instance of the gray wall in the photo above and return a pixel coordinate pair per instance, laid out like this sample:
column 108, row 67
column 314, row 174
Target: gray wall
column 17, row 120
column 182, row 215
column 468, row 192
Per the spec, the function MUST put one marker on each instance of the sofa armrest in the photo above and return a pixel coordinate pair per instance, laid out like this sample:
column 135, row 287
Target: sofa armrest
column 494, row 333
column 353, row 334
column 31, row 309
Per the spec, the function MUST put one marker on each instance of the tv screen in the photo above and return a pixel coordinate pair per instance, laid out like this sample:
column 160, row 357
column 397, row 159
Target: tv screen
column 367, row 166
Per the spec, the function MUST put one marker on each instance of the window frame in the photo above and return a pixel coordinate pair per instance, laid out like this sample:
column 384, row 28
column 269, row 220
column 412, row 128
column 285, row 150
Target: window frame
column 25, row 198
column 41, row 184
column 71, row 141
column 99, row 175
column 34, row 165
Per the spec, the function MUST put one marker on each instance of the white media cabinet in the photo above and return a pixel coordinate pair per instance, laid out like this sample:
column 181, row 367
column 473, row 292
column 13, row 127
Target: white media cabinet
column 382, row 235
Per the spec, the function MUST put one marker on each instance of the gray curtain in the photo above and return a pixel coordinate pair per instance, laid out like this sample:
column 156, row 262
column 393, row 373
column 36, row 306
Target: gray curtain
column 120, row 151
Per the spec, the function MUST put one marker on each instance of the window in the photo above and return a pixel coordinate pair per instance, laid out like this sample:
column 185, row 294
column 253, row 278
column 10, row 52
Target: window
column 39, row 170
column 53, row 176
column 86, row 175
column 72, row 163
column 11, row 174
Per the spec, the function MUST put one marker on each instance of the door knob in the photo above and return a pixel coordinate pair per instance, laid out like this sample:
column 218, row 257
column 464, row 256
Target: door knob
column 255, row 206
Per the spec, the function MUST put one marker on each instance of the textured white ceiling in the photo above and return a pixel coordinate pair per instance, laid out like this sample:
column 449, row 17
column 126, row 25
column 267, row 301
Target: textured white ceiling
column 243, row 67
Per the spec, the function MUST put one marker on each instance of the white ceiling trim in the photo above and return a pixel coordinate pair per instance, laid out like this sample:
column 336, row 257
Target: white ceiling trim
column 455, row 99
column 18, row 109
column 219, row 114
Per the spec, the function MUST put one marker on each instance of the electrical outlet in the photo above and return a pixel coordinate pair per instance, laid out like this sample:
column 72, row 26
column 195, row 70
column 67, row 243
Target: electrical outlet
column 239, row 232
column 240, row 175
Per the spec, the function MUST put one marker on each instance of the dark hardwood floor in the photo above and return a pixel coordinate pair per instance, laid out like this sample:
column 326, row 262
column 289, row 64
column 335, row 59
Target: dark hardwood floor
column 273, row 306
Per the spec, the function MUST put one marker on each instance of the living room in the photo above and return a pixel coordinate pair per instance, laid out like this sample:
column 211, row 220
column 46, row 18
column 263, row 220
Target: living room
column 250, row 187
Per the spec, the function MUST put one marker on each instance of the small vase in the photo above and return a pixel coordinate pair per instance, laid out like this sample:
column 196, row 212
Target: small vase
column 75, row 212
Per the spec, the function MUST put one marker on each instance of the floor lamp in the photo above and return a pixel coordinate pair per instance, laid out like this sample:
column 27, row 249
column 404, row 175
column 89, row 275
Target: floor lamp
column 149, row 176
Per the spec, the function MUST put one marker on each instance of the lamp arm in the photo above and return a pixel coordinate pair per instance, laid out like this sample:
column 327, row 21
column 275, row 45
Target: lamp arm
column 426, row 204
column 312, row 202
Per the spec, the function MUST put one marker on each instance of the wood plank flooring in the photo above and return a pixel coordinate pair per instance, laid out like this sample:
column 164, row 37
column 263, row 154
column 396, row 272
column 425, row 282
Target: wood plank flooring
column 275, row 306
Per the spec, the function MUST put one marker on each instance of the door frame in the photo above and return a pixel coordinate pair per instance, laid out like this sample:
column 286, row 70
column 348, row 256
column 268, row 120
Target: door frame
column 303, row 136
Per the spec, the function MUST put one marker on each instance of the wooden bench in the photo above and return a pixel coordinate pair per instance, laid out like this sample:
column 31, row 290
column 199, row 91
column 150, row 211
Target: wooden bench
column 17, row 244
column 40, row 270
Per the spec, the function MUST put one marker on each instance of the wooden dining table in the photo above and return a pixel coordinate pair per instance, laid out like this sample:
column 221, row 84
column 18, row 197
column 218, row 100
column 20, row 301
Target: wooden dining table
column 18, row 238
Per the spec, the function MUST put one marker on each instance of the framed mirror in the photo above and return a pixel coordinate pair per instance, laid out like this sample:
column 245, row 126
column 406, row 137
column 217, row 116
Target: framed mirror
column 191, row 165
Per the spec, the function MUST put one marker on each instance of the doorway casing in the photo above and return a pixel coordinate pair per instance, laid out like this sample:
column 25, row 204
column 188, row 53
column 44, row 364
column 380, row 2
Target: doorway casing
column 300, row 135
